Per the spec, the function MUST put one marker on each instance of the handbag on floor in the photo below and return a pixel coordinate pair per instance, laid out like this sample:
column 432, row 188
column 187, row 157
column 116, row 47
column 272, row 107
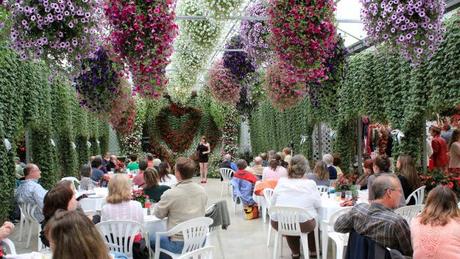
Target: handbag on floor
column 251, row 212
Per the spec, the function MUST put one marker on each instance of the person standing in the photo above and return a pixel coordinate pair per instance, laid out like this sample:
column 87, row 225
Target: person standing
column 439, row 157
column 203, row 156
column 454, row 151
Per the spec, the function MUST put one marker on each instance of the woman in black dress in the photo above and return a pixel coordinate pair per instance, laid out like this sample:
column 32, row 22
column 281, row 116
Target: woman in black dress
column 203, row 156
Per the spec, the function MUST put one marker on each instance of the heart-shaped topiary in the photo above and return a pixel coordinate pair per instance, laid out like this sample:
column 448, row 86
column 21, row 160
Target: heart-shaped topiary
column 178, row 140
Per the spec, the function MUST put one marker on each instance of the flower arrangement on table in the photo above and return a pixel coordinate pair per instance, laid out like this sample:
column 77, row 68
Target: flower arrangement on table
column 281, row 90
column 255, row 34
column 203, row 32
column 222, row 8
column 142, row 36
column 98, row 83
column 303, row 36
column 223, row 85
column 56, row 30
column 437, row 177
column 138, row 195
column 413, row 28
column 237, row 62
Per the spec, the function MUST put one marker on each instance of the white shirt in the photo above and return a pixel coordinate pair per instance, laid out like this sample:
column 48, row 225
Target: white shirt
column 300, row 193
column 171, row 180
column 127, row 210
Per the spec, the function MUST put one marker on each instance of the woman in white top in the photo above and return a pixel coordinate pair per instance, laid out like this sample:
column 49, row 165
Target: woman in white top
column 296, row 191
column 119, row 204
column 165, row 176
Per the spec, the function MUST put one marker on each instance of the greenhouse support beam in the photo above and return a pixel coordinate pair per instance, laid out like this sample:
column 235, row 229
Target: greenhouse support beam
column 248, row 18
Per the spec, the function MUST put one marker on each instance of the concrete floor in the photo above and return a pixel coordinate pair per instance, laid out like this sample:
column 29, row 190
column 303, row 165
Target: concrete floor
column 243, row 238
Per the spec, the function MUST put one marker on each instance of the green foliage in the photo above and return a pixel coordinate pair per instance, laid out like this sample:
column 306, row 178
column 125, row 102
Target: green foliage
column 93, row 126
column 104, row 130
column 63, row 127
column 7, row 177
column 80, row 123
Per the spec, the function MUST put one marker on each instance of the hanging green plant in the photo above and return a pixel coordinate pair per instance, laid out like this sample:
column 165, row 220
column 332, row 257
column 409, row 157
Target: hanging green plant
column 222, row 8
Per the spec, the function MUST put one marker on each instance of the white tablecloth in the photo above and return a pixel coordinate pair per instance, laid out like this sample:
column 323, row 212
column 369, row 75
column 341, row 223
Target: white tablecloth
column 331, row 204
column 95, row 201
column 153, row 224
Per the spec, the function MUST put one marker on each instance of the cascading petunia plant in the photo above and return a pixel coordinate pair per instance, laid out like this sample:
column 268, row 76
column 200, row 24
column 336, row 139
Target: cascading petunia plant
column 62, row 32
column 303, row 36
column 255, row 33
column 98, row 83
column 223, row 84
column 142, row 35
column 237, row 62
column 412, row 28
column 281, row 90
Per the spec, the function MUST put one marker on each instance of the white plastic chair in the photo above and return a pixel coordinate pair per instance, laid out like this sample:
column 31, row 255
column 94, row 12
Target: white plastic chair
column 409, row 212
column 74, row 180
column 418, row 195
column 119, row 235
column 9, row 245
column 327, row 231
column 289, row 219
column 202, row 253
column 215, row 231
column 236, row 200
column 28, row 211
column 266, row 203
column 194, row 232
column 322, row 188
column 226, row 174
column 268, row 194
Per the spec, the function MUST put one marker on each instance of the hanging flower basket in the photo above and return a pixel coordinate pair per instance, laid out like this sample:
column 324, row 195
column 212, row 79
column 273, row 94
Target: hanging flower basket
column 255, row 34
column 142, row 36
column 123, row 113
column 61, row 32
column 203, row 33
column 222, row 8
column 281, row 90
column 303, row 36
column 237, row 62
column 412, row 28
column 189, row 57
column 98, row 83
column 223, row 85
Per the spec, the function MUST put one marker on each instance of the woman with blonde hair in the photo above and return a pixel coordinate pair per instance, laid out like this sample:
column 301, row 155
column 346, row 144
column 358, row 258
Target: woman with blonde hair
column 119, row 204
column 436, row 231
column 320, row 174
column 408, row 176
column 73, row 235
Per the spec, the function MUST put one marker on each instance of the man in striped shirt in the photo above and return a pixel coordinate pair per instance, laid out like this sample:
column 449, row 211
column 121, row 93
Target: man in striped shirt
column 377, row 221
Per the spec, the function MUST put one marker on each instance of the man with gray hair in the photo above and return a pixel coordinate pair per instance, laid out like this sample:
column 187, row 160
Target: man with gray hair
column 377, row 221
column 227, row 163
column 257, row 169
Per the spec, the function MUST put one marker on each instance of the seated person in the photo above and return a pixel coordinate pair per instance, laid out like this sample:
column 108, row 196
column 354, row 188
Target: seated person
column 227, row 163
column 73, row 235
column 274, row 171
column 377, row 221
column 329, row 160
column 139, row 178
column 96, row 172
column 63, row 197
column 164, row 175
column 258, row 169
column 86, row 183
column 5, row 230
column 296, row 191
column 367, row 171
column 30, row 191
column 187, row 200
column 133, row 164
column 243, row 184
column 381, row 165
column 119, row 204
column 152, row 187
column 320, row 174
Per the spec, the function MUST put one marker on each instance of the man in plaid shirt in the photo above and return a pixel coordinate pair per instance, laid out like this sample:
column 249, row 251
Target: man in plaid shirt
column 377, row 221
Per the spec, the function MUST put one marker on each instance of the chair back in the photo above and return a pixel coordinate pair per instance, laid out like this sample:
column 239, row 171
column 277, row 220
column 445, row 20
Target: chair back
column 337, row 214
column 289, row 219
column 418, row 195
column 268, row 194
column 74, row 180
column 29, row 210
column 194, row 232
column 119, row 235
column 202, row 253
column 226, row 173
column 409, row 212
column 9, row 245
column 322, row 188
column 209, row 213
